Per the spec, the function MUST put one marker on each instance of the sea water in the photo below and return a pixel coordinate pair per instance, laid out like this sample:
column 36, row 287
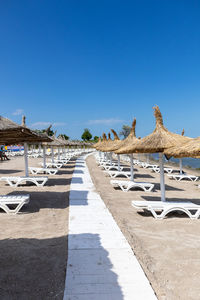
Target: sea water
column 193, row 163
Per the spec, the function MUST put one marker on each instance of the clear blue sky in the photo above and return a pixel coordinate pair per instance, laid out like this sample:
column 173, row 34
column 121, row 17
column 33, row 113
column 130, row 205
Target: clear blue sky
column 99, row 63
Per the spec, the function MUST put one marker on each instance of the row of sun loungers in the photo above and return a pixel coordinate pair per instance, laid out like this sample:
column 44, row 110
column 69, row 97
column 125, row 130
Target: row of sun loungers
column 12, row 204
column 158, row 209
column 125, row 186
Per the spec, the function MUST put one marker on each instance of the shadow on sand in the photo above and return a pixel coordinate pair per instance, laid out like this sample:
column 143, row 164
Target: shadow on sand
column 89, row 271
column 33, row 268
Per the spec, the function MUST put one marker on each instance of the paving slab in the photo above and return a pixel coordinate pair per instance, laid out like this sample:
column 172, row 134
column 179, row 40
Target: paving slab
column 101, row 264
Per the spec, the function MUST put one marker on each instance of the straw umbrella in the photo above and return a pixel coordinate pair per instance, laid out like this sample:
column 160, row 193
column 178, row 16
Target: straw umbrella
column 189, row 149
column 54, row 142
column 12, row 133
column 109, row 144
column 180, row 160
column 130, row 140
column 157, row 142
column 96, row 145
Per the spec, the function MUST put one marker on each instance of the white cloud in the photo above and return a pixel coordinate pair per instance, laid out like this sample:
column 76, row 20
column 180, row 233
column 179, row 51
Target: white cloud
column 59, row 124
column 40, row 124
column 46, row 124
column 105, row 121
column 18, row 112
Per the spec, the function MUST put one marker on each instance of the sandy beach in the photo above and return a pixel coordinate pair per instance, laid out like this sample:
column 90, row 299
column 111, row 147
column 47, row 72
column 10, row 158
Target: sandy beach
column 167, row 249
column 33, row 243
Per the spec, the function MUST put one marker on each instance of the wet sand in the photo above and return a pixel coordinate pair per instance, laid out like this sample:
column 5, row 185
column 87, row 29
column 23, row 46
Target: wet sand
column 33, row 243
column 168, row 249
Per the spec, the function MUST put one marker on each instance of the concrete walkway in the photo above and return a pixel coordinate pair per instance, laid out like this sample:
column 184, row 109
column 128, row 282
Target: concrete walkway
column 101, row 264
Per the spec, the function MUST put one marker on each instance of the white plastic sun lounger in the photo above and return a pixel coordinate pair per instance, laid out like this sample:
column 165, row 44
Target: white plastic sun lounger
column 147, row 165
column 35, row 170
column 13, row 200
column 160, row 209
column 15, row 181
column 52, row 165
column 179, row 177
column 127, row 185
column 166, row 170
column 114, row 174
column 109, row 168
column 62, row 161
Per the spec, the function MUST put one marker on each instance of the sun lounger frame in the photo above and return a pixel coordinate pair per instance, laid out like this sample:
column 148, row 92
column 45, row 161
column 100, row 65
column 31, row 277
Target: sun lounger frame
column 161, row 209
column 19, row 200
column 15, row 181
column 127, row 185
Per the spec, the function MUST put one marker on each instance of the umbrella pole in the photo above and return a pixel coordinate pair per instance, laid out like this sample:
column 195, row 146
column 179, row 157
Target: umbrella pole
column 181, row 166
column 59, row 153
column 111, row 158
column 39, row 150
column 118, row 158
column 26, row 159
column 162, row 178
column 44, row 156
column 52, row 155
column 132, row 167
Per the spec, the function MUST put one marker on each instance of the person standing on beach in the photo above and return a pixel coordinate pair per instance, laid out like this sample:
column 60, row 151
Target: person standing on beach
column 3, row 156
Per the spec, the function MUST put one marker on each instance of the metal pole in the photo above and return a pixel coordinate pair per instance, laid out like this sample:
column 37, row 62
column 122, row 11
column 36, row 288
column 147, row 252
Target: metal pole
column 111, row 158
column 44, row 156
column 59, row 153
column 39, row 152
column 132, row 167
column 52, row 154
column 26, row 159
column 118, row 159
column 162, row 178
column 181, row 166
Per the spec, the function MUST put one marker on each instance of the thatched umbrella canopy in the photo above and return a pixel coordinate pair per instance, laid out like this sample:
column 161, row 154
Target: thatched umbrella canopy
column 126, row 143
column 157, row 142
column 105, row 142
column 95, row 146
column 111, row 144
column 189, row 149
column 12, row 133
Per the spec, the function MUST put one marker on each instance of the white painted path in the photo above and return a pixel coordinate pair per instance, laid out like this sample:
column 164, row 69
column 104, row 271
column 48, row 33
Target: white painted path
column 101, row 264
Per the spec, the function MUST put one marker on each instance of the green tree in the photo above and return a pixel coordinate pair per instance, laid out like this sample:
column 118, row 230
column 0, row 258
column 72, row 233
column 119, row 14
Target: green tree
column 86, row 136
column 96, row 138
column 66, row 137
column 125, row 131
column 50, row 132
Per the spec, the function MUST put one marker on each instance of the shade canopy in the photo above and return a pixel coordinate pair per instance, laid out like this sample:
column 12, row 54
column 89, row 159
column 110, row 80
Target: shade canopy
column 12, row 133
column 111, row 144
column 189, row 149
column 159, row 140
column 54, row 142
column 105, row 142
column 129, row 141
